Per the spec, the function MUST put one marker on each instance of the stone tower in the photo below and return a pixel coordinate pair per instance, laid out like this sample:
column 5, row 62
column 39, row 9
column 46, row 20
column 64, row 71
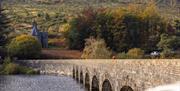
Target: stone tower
column 35, row 31
column 41, row 36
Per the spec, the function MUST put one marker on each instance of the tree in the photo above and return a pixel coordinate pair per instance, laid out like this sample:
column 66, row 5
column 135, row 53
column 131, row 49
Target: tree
column 81, row 29
column 152, row 26
column 168, row 42
column 4, row 27
column 177, row 25
column 96, row 49
column 24, row 46
column 121, row 29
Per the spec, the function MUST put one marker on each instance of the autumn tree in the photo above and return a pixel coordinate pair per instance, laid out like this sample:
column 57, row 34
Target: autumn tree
column 122, row 29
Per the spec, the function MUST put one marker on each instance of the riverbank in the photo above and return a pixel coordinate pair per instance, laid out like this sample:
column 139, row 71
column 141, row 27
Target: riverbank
column 11, row 68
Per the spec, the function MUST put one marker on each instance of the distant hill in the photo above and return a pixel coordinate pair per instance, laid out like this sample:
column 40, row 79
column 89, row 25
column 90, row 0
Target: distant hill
column 167, row 2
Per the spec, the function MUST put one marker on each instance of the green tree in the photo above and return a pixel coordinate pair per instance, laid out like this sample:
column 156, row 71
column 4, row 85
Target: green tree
column 168, row 42
column 152, row 26
column 81, row 29
column 177, row 26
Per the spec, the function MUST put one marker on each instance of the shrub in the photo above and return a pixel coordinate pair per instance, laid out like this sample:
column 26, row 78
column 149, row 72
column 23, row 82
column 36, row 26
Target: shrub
column 26, row 70
column 168, row 53
column 12, row 68
column 122, row 56
column 9, row 67
column 7, row 60
column 96, row 49
column 169, row 42
column 24, row 46
column 135, row 53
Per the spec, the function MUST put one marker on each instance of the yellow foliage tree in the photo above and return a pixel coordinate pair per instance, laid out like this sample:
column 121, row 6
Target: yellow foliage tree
column 151, row 10
column 24, row 46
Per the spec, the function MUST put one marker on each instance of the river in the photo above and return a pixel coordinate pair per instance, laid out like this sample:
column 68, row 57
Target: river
column 39, row 83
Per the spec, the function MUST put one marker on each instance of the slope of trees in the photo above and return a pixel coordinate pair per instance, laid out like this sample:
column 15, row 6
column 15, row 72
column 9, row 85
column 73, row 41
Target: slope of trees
column 122, row 29
column 167, row 2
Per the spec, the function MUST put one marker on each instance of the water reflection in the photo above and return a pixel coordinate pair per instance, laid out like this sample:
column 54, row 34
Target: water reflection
column 38, row 83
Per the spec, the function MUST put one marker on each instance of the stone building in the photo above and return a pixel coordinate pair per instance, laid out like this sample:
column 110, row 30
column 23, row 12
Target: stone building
column 41, row 36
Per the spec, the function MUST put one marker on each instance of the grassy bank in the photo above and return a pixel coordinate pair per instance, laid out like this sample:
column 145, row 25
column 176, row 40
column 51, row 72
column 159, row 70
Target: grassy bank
column 10, row 68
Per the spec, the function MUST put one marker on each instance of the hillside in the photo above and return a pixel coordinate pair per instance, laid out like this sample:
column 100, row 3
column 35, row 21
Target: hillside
column 59, row 11
column 166, row 2
column 122, row 24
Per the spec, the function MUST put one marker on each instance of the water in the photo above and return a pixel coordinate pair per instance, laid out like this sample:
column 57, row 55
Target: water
column 39, row 83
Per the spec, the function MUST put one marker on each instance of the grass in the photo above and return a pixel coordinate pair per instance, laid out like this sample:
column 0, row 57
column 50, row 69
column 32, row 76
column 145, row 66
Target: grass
column 60, row 54
column 13, row 68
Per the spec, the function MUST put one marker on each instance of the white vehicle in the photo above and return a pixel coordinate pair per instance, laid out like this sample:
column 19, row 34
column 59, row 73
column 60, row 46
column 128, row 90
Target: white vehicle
column 155, row 53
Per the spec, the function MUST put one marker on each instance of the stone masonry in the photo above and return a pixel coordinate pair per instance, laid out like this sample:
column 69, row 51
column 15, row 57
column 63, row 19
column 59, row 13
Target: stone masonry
column 113, row 75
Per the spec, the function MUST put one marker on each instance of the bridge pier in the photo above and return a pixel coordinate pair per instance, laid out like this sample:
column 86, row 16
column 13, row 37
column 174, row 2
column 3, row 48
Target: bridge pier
column 100, row 83
column 74, row 74
column 81, row 77
column 87, row 82
column 77, row 74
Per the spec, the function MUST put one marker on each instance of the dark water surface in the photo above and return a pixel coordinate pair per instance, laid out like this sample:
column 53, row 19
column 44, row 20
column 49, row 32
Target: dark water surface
column 38, row 83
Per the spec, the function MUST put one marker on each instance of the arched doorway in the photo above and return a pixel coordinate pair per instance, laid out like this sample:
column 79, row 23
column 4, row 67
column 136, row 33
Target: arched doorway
column 77, row 75
column 95, row 84
column 87, row 81
column 106, row 86
column 74, row 73
column 126, row 88
column 81, row 77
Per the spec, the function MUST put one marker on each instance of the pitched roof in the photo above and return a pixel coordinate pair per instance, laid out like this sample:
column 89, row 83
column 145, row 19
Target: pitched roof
column 35, row 30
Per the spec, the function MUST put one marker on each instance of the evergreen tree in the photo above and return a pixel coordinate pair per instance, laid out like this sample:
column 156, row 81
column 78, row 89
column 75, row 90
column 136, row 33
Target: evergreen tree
column 4, row 26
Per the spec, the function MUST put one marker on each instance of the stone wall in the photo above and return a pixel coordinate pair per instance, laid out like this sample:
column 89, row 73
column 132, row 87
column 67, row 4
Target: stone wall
column 138, row 74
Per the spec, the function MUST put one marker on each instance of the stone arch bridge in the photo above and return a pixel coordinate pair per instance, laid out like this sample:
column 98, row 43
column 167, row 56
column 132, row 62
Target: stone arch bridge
column 113, row 75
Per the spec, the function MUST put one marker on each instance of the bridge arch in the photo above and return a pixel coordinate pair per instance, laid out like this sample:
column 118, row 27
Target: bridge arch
column 107, row 78
column 127, row 83
column 106, row 86
column 87, row 82
column 74, row 73
column 81, row 77
column 126, row 88
column 77, row 74
column 95, row 84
